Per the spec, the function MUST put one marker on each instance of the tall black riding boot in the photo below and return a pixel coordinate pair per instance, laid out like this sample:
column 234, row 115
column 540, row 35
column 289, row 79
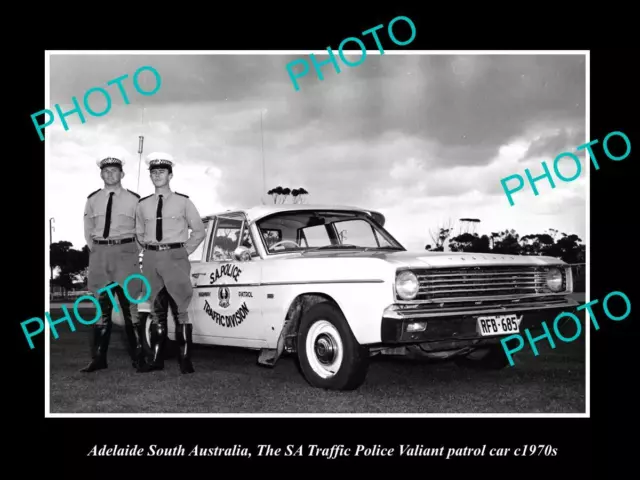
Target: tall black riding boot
column 131, row 328
column 100, row 337
column 137, row 357
column 134, row 329
column 185, row 344
column 100, row 344
column 158, row 341
column 132, row 342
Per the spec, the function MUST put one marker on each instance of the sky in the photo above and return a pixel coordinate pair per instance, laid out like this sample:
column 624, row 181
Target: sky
column 424, row 139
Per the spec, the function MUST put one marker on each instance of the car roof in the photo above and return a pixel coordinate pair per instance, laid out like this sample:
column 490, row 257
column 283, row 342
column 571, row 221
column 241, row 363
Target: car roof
column 258, row 212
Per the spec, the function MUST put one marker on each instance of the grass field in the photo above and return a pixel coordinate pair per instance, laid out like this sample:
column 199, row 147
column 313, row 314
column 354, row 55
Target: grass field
column 230, row 381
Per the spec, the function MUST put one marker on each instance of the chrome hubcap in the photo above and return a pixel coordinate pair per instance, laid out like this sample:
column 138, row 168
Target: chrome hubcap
column 324, row 349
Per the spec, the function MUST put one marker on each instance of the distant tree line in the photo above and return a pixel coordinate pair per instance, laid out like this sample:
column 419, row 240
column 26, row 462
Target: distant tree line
column 568, row 247
column 71, row 264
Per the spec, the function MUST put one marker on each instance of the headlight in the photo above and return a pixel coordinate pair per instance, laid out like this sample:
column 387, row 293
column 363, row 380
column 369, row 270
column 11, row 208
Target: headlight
column 554, row 279
column 407, row 285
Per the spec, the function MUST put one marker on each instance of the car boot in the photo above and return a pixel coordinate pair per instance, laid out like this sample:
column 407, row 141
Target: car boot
column 100, row 337
column 185, row 345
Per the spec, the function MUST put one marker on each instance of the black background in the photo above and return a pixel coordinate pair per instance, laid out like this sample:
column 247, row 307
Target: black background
column 584, row 445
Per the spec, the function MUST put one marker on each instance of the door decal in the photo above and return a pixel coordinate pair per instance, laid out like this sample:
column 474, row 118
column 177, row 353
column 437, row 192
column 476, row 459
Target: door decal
column 228, row 321
column 229, row 270
column 223, row 297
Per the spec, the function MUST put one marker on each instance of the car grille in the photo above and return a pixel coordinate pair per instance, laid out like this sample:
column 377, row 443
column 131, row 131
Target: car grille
column 467, row 283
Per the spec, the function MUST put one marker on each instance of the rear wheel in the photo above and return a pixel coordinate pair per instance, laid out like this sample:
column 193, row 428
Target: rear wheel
column 330, row 356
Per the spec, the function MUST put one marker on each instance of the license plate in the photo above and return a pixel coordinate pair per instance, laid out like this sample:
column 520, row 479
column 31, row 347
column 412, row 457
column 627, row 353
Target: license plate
column 499, row 324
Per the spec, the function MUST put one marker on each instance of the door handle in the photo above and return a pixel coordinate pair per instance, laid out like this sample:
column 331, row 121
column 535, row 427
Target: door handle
column 196, row 275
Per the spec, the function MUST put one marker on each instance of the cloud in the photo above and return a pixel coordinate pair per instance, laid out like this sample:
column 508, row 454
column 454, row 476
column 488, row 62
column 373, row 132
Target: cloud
column 421, row 137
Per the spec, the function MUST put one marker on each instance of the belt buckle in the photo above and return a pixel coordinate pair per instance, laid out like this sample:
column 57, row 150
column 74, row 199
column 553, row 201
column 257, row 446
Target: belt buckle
column 163, row 247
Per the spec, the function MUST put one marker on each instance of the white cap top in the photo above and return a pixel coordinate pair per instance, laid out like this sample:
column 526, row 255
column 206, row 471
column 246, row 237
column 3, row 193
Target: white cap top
column 112, row 156
column 160, row 159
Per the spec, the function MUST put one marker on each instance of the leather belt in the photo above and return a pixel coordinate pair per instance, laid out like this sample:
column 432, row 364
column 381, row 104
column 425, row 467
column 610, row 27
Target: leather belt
column 114, row 242
column 164, row 246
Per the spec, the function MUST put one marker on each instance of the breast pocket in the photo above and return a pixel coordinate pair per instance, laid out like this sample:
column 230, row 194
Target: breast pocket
column 97, row 220
column 126, row 220
column 174, row 225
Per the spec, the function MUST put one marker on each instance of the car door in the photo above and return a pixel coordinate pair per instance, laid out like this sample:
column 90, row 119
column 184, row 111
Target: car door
column 226, row 290
column 198, row 260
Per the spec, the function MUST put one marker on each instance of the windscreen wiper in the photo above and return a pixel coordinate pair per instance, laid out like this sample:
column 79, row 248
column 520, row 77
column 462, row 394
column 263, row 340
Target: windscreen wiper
column 330, row 247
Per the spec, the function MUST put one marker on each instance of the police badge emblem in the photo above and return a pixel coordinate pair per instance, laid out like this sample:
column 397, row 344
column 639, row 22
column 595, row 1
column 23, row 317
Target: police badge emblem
column 223, row 297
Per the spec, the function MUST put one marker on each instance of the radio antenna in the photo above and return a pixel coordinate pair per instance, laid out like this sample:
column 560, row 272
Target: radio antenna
column 264, row 175
column 140, row 148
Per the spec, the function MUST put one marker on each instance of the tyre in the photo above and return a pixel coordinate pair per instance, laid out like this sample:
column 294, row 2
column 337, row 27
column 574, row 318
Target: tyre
column 330, row 357
column 484, row 358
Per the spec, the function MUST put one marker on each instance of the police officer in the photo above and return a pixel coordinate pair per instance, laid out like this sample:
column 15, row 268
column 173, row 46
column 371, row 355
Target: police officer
column 109, row 230
column 162, row 223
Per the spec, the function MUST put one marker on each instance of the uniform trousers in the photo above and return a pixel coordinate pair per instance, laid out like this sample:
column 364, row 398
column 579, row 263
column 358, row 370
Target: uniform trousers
column 109, row 264
column 171, row 270
column 115, row 263
column 169, row 274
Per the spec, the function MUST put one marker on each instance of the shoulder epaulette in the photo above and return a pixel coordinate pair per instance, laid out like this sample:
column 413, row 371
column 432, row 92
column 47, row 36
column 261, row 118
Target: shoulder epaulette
column 133, row 193
column 93, row 193
column 144, row 198
column 182, row 194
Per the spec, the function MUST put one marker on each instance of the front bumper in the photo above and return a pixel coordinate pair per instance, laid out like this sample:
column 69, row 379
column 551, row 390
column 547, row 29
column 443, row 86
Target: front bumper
column 448, row 324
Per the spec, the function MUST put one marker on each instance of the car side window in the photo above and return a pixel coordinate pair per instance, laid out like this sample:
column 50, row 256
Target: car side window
column 315, row 236
column 247, row 240
column 271, row 236
column 196, row 255
column 230, row 232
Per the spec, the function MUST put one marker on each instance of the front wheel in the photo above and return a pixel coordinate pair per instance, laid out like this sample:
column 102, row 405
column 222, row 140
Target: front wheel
column 330, row 356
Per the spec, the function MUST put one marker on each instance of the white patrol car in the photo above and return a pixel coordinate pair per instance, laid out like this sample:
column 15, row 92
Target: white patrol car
column 330, row 284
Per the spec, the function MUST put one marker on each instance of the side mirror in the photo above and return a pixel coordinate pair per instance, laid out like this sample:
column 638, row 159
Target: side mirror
column 242, row 254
